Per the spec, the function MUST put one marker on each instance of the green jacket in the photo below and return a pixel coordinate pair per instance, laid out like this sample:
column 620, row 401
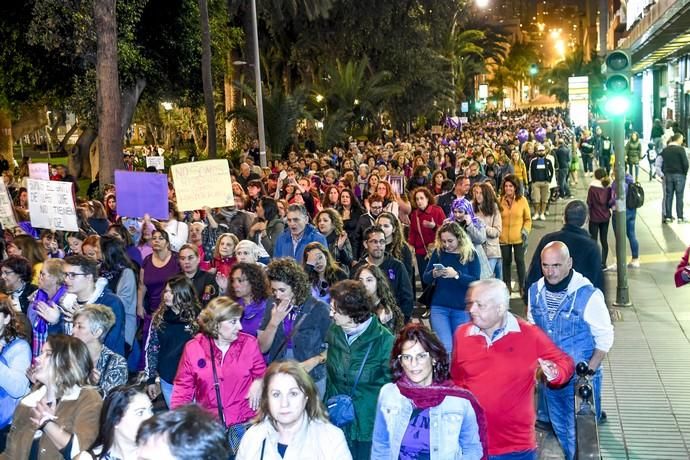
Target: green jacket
column 633, row 152
column 342, row 365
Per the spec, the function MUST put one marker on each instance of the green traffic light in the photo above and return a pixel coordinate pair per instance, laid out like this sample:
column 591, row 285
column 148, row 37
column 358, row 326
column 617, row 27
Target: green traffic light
column 533, row 70
column 617, row 105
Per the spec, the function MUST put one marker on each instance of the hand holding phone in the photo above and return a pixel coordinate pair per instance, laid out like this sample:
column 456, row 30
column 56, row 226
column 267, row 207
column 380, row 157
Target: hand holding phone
column 439, row 267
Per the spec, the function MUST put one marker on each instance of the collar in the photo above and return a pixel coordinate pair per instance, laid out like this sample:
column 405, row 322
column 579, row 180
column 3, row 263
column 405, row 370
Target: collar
column 510, row 324
column 31, row 400
column 561, row 285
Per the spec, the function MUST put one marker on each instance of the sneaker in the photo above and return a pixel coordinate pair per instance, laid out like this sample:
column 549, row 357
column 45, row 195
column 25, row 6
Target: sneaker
column 634, row 263
column 682, row 221
column 542, row 216
column 603, row 418
column 610, row 268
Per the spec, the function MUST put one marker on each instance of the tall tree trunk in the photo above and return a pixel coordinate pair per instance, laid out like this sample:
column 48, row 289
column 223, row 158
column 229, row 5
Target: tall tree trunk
column 79, row 163
column 108, row 90
column 62, row 147
column 130, row 99
column 207, row 78
column 6, row 142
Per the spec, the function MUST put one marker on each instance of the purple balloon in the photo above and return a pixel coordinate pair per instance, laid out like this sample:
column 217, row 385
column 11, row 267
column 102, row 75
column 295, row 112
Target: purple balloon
column 540, row 134
column 522, row 135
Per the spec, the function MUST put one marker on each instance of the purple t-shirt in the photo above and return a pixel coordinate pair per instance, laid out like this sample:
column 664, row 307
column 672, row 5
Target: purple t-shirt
column 288, row 325
column 155, row 279
column 415, row 442
column 252, row 316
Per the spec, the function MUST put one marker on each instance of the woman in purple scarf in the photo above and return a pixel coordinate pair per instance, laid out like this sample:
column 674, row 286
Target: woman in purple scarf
column 44, row 312
column 422, row 399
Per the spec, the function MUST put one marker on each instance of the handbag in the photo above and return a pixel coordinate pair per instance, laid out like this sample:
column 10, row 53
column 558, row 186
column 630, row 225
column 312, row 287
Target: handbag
column 427, row 294
column 234, row 432
column 341, row 408
column 421, row 237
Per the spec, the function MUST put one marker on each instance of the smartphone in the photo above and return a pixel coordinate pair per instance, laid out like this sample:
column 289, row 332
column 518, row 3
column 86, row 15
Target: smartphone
column 282, row 175
column 439, row 267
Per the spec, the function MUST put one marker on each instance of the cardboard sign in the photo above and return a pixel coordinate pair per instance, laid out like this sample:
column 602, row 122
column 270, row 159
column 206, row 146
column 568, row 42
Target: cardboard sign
column 51, row 205
column 202, row 183
column 139, row 193
column 156, row 162
column 436, row 129
column 39, row 171
column 6, row 208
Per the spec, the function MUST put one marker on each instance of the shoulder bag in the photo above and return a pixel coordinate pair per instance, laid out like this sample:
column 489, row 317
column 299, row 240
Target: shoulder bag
column 235, row 432
column 341, row 408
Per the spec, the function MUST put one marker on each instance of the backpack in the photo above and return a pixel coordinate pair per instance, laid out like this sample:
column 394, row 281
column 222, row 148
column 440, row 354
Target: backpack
column 634, row 198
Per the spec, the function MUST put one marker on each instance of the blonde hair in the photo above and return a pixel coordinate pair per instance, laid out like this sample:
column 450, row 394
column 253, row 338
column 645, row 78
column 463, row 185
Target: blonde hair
column 216, row 250
column 218, row 310
column 54, row 268
column 465, row 246
column 99, row 317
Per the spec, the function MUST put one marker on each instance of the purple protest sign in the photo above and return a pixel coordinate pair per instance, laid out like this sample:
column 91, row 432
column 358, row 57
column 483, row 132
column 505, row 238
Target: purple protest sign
column 140, row 193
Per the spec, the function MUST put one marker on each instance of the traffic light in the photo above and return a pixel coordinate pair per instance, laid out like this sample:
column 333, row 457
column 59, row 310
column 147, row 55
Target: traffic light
column 533, row 69
column 617, row 71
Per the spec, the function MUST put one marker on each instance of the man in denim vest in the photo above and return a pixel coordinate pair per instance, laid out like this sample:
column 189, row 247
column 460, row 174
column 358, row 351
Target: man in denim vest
column 573, row 313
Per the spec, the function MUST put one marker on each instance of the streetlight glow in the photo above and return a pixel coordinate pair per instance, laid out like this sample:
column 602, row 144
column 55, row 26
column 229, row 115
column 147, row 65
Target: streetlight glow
column 319, row 98
column 481, row 3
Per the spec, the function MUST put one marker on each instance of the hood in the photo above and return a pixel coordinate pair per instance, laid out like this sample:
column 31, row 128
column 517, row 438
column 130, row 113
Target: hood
column 576, row 283
column 101, row 284
column 596, row 183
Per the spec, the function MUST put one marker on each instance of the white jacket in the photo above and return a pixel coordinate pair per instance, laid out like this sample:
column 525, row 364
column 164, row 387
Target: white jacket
column 316, row 440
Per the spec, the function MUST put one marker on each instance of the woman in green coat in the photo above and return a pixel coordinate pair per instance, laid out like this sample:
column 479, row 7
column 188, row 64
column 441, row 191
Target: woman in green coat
column 633, row 152
column 356, row 334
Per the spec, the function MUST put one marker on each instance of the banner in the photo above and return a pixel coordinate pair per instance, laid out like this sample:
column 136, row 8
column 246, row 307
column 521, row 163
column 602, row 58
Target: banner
column 51, row 205
column 39, row 171
column 202, row 183
column 139, row 193
column 578, row 100
column 6, row 208
column 156, row 162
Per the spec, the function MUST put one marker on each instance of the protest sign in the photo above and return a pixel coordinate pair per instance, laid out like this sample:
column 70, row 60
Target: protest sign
column 140, row 193
column 202, row 183
column 397, row 184
column 51, row 205
column 39, row 171
column 156, row 162
column 6, row 208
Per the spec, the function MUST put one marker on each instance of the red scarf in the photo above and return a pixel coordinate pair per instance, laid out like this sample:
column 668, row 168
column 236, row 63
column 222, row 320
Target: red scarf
column 434, row 394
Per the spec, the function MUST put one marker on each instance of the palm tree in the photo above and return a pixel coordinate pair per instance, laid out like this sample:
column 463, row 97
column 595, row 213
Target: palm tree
column 555, row 81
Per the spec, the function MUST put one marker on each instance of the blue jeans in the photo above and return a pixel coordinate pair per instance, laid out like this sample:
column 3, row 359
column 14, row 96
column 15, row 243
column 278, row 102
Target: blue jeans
column 675, row 185
column 630, row 217
column 166, row 389
column 562, row 179
column 587, row 162
column 444, row 322
column 522, row 455
column 496, row 264
column 558, row 407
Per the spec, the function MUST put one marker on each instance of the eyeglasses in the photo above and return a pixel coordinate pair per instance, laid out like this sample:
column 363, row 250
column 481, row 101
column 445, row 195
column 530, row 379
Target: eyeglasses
column 6, row 272
column 72, row 275
column 419, row 358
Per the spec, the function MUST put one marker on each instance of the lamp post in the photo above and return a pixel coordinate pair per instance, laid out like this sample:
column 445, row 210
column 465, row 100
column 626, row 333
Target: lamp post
column 259, row 95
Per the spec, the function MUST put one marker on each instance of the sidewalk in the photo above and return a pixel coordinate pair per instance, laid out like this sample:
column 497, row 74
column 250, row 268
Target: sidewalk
column 646, row 391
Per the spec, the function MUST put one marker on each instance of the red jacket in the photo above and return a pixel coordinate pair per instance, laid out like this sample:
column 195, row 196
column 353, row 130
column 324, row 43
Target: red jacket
column 241, row 365
column 432, row 213
column 682, row 266
column 502, row 378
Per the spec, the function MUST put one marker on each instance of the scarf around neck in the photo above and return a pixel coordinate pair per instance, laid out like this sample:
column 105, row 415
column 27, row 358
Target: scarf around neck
column 434, row 394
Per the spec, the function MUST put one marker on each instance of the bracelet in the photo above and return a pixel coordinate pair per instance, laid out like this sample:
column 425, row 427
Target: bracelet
column 43, row 425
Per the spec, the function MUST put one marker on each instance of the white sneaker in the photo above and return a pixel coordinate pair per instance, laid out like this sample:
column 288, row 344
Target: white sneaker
column 634, row 263
column 610, row 268
column 542, row 216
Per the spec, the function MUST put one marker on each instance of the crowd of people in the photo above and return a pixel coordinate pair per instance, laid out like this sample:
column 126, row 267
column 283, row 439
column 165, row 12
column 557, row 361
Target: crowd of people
column 295, row 319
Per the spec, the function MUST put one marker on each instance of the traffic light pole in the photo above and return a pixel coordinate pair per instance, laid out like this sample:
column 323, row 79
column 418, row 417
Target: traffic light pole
column 618, row 131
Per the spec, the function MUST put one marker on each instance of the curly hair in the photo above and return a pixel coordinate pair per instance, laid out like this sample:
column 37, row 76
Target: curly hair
column 256, row 275
column 465, row 246
column 350, row 298
column 336, row 218
column 419, row 333
column 14, row 328
column 184, row 299
column 385, row 295
column 287, row 270
column 427, row 193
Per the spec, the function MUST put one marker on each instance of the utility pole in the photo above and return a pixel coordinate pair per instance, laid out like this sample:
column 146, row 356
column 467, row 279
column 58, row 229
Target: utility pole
column 622, row 292
column 259, row 93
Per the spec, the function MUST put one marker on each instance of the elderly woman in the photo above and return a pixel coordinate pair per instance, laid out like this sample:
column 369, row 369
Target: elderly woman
column 294, row 324
column 15, row 359
column 221, row 367
column 249, row 286
column 422, row 414
column 61, row 416
column 173, row 325
column 292, row 422
column 250, row 252
column 91, row 325
column 359, row 348
column 44, row 312
column 16, row 274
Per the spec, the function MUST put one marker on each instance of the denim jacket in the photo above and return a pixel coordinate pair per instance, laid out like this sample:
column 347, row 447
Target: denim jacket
column 454, row 432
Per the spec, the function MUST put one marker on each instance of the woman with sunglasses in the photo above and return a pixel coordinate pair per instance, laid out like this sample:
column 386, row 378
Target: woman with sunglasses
column 422, row 414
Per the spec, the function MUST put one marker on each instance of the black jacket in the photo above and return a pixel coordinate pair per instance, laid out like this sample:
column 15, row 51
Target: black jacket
column 540, row 169
column 445, row 201
column 583, row 249
column 675, row 160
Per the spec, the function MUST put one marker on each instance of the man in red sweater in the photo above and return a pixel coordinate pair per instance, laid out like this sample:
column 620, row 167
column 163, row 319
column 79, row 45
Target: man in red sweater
column 496, row 357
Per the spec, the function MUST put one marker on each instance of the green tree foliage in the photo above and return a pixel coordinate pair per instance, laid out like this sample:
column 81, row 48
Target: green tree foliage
column 555, row 81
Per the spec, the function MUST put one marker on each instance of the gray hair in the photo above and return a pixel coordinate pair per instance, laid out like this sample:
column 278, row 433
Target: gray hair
column 296, row 207
column 497, row 287
column 99, row 317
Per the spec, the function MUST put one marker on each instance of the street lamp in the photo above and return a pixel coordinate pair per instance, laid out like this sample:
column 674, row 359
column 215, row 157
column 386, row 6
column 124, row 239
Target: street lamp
column 481, row 3
column 259, row 95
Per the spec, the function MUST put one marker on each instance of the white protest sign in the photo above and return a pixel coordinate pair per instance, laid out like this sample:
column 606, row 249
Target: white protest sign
column 156, row 162
column 6, row 208
column 39, row 171
column 51, row 205
column 202, row 183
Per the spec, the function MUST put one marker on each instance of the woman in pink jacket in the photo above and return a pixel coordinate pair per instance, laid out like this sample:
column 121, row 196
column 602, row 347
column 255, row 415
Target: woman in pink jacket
column 238, row 362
